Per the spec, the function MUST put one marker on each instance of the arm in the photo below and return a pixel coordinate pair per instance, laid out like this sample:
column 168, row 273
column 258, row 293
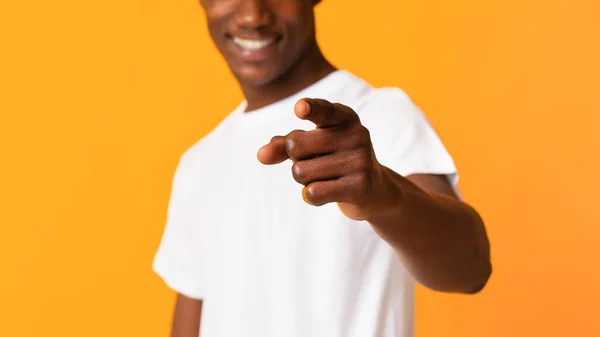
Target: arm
column 440, row 240
column 179, row 260
column 186, row 319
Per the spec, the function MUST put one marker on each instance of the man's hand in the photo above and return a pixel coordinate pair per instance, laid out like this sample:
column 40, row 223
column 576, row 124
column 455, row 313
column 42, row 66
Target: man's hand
column 439, row 239
column 335, row 162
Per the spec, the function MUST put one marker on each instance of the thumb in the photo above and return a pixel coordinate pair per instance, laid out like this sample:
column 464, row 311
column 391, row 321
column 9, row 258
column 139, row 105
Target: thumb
column 274, row 152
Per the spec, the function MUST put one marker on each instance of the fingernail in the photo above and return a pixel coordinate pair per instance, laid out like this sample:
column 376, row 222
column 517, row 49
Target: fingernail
column 306, row 108
column 303, row 108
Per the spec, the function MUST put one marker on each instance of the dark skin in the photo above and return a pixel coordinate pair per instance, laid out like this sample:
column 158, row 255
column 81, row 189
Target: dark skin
column 291, row 64
column 186, row 318
column 441, row 240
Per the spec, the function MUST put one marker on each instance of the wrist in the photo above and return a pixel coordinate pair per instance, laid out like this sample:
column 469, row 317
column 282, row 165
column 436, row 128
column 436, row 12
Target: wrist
column 388, row 199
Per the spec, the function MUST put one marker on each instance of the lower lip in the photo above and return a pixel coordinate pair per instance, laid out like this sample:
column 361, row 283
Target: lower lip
column 255, row 55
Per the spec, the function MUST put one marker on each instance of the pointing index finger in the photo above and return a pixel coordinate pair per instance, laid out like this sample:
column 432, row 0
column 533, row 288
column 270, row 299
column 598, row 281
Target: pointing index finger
column 323, row 113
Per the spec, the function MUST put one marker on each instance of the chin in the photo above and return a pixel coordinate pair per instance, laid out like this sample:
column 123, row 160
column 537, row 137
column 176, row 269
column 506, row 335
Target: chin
column 255, row 76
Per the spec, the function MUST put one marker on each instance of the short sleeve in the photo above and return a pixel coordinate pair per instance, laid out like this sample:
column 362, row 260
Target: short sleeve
column 178, row 260
column 403, row 138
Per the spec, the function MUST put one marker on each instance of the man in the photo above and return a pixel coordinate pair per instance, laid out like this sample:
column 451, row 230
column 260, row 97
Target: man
column 323, row 234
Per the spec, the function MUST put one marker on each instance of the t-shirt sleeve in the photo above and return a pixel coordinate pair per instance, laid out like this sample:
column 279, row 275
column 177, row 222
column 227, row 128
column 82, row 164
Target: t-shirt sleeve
column 403, row 138
column 178, row 260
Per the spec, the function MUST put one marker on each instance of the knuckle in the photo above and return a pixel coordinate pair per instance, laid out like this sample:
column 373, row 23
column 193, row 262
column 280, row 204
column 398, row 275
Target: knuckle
column 347, row 110
column 293, row 142
column 327, row 105
column 362, row 160
column 365, row 181
column 365, row 134
column 313, row 195
column 365, row 167
column 364, row 176
column 299, row 173
column 355, row 140
column 338, row 106
column 363, row 188
column 290, row 146
column 360, row 136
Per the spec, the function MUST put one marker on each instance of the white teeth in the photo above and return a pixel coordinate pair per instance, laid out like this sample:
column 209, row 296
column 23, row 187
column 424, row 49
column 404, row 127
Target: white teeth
column 253, row 44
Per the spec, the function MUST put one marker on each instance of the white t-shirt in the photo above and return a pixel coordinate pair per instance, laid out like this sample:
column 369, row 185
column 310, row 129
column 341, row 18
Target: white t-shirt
column 266, row 264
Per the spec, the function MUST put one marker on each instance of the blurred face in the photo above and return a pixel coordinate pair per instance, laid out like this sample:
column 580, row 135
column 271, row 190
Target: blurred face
column 261, row 39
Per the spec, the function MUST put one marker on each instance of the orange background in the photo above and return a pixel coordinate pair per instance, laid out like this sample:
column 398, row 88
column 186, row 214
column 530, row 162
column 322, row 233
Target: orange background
column 99, row 99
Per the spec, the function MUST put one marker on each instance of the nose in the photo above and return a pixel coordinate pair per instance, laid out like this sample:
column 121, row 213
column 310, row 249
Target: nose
column 253, row 14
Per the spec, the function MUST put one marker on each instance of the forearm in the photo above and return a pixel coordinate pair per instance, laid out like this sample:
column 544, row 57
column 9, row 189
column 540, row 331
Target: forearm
column 440, row 240
column 186, row 318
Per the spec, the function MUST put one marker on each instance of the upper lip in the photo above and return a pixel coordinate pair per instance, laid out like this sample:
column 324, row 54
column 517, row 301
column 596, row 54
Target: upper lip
column 256, row 37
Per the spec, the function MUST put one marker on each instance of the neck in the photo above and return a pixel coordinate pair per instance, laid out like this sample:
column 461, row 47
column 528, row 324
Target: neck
column 310, row 69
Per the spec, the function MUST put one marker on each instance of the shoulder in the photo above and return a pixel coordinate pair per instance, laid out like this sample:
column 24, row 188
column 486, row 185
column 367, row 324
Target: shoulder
column 205, row 150
column 379, row 105
column 402, row 136
column 391, row 116
column 376, row 103
column 386, row 105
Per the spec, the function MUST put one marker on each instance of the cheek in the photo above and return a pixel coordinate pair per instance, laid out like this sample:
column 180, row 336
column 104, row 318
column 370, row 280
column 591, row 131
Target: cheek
column 304, row 31
column 217, row 10
column 297, row 11
column 298, row 17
